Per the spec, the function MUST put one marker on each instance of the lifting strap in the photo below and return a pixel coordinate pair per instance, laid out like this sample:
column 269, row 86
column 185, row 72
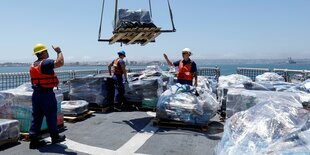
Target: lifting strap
column 99, row 35
column 115, row 14
column 171, row 17
column 150, row 8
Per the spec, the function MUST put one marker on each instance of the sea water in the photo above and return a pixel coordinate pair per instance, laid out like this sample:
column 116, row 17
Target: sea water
column 226, row 66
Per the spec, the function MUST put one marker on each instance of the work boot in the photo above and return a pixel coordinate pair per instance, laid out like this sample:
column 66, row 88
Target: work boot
column 34, row 144
column 58, row 139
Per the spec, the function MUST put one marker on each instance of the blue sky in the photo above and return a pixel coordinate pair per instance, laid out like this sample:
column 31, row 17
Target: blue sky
column 212, row 29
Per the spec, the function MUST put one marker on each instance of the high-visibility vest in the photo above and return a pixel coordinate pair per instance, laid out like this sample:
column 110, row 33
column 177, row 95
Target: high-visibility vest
column 117, row 68
column 40, row 79
column 184, row 72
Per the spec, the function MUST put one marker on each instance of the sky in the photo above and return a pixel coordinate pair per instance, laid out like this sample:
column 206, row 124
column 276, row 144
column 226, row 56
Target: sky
column 212, row 29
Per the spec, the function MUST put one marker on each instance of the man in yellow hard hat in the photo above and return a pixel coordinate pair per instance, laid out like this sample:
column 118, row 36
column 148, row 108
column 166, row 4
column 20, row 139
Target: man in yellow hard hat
column 43, row 80
column 187, row 68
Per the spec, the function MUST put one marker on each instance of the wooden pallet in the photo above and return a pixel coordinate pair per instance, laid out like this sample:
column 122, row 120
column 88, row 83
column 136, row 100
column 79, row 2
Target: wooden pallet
column 100, row 109
column 163, row 123
column 135, row 35
column 25, row 135
column 9, row 141
column 82, row 116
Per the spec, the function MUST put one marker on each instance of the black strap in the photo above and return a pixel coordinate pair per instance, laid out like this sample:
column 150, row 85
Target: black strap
column 171, row 16
column 115, row 14
column 150, row 8
column 99, row 35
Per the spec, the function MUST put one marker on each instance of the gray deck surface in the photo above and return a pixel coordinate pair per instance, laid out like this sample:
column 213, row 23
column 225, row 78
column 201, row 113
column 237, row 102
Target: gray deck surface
column 126, row 133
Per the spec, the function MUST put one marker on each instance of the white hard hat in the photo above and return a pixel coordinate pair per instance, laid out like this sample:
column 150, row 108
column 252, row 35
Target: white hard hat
column 186, row 50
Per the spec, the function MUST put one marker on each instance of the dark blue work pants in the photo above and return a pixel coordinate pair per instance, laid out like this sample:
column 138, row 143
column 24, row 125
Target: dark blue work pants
column 185, row 82
column 119, row 97
column 44, row 103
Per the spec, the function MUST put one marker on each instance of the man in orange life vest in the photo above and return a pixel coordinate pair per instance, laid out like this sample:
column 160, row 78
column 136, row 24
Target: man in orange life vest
column 119, row 70
column 44, row 79
column 187, row 68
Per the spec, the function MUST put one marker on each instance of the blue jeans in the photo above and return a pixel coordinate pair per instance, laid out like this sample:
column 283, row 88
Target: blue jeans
column 44, row 104
column 119, row 89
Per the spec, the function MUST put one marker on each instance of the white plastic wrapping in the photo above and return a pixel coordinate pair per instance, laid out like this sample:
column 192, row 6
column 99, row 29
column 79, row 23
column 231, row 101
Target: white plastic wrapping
column 242, row 99
column 9, row 130
column 269, row 76
column 262, row 128
column 74, row 107
column 186, row 104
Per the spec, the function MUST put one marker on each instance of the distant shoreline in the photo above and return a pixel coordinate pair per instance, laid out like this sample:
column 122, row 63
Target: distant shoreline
column 198, row 61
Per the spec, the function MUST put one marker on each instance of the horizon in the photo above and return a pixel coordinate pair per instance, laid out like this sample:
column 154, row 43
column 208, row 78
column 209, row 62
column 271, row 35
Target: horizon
column 239, row 29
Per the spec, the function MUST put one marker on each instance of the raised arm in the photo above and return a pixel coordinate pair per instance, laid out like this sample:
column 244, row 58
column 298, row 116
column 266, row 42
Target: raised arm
column 60, row 58
column 167, row 60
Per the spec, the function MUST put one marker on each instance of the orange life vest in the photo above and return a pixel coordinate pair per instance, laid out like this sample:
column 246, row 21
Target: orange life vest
column 40, row 79
column 117, row 69
column 184, row 72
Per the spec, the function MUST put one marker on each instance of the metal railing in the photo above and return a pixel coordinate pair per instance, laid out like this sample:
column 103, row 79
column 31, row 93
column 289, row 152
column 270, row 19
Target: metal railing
column 251, row 72
column 13, row 80
column 289, row 75
column 210, row 71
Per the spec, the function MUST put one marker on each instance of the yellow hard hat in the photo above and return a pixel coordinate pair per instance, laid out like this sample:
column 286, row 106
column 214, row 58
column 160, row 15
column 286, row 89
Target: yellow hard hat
column 39, row 48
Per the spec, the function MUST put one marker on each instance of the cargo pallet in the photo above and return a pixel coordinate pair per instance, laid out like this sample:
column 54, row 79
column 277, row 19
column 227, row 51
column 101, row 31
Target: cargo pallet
column 9, row 141
column 164, row 123
column 100, row 109
column 80, row 117
column 25, row 135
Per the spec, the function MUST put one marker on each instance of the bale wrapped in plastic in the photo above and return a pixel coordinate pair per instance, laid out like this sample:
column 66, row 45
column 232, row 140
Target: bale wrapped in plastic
column 93, row 89
column 9, row 131
column 258, row 129
column 296, row 143
column 147, row 88
column 269, row 76
column 23, row 94
column 74, row 107
column 133, row 19
column 17, row 104
column 226, row 82
column 186, row 104
column 242, row 99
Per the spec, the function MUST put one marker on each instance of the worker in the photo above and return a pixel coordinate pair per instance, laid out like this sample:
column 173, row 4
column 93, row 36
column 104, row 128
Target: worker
column 187, row 68
column 118, row 73
column 44, row 103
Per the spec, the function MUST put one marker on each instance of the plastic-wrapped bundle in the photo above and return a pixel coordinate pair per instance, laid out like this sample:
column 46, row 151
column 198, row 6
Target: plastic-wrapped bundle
column 9, row 130
column 17, row 104
column 23, row 94
column 242, row 99
column 74, row 107
column 256, row 130
column 297, row 143
column 147, row 88
column 269, row 76
column 134, row 19
column 186, row 104
column 230, row 81
column 93, row 89
column 233, row 80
